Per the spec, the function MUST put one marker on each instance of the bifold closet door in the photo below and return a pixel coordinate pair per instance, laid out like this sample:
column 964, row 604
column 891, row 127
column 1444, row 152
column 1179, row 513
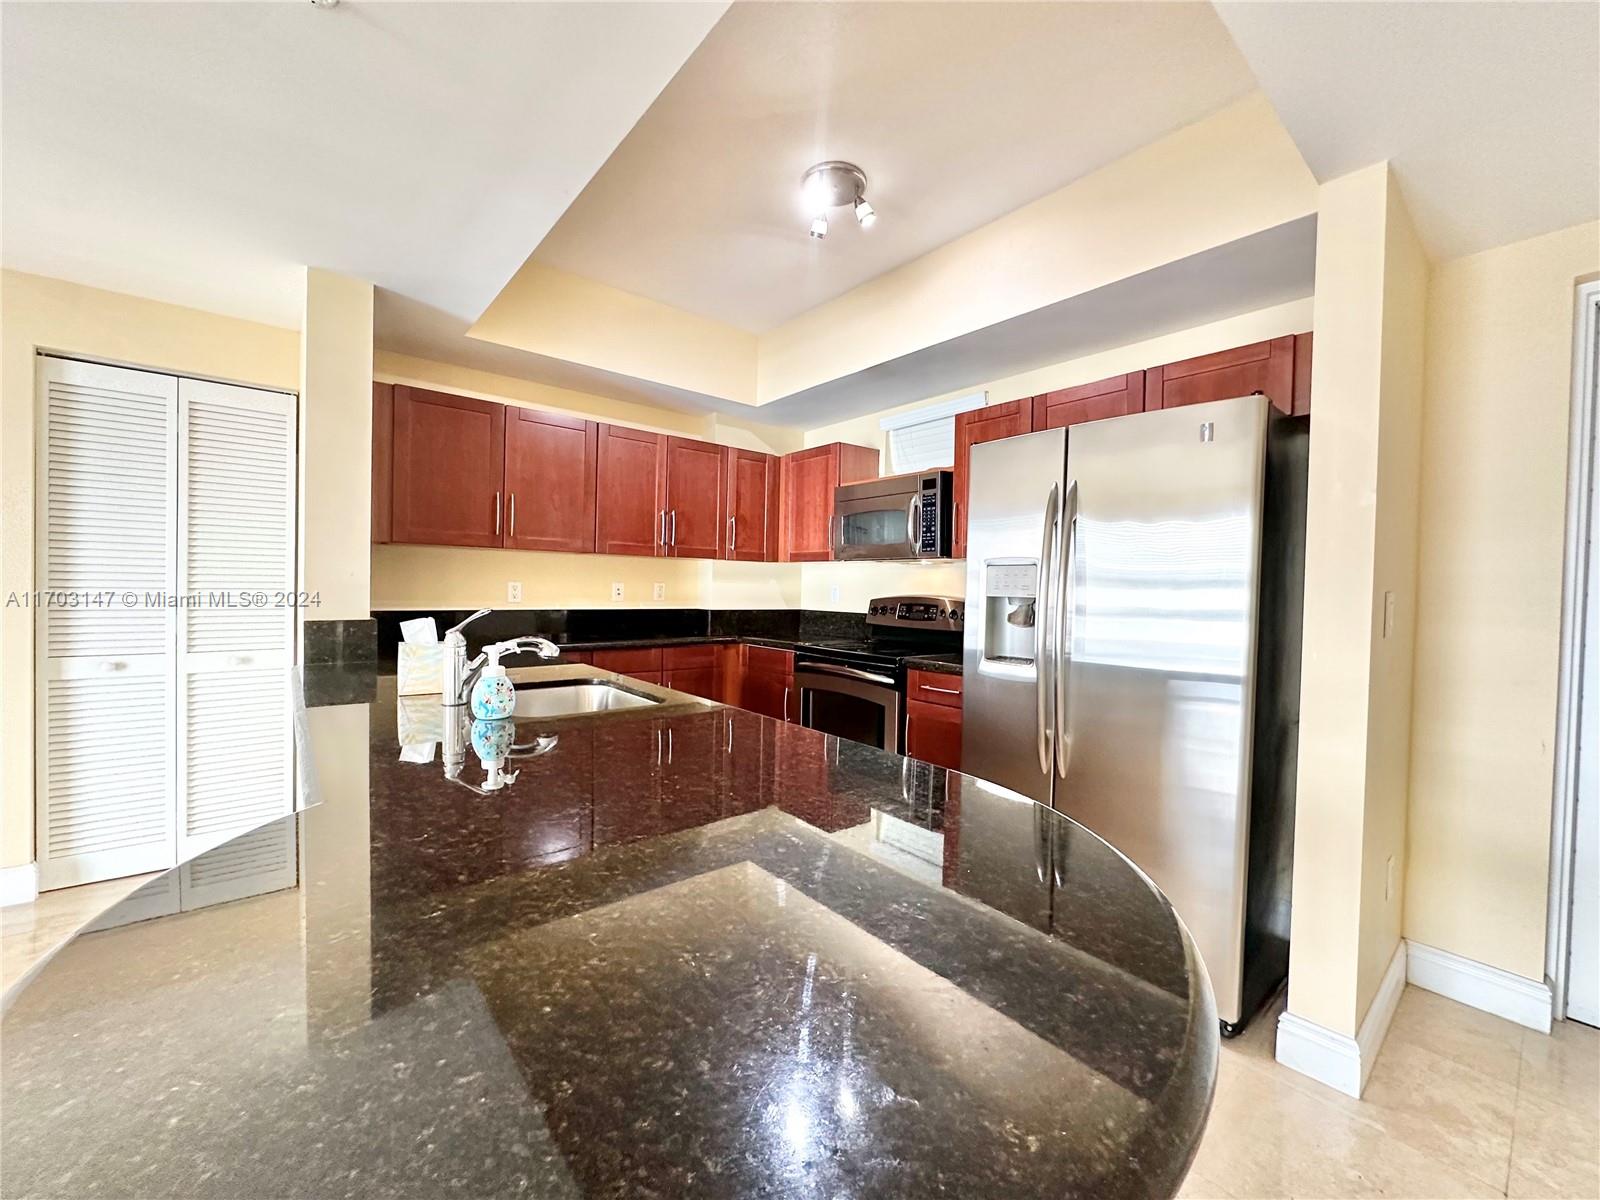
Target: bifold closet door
column 236, row 569
column 104, row 652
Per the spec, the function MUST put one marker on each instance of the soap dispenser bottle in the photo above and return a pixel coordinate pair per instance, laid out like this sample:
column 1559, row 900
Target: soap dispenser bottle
column 493, row 697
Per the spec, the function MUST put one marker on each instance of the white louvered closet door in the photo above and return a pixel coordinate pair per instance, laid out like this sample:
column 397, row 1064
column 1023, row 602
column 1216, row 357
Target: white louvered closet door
column 104, row 657
column 236, row 557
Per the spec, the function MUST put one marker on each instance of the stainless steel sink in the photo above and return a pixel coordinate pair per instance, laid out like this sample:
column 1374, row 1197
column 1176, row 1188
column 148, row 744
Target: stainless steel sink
column 575, row 697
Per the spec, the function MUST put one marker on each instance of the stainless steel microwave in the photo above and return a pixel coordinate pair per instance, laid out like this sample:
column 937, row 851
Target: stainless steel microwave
column 897, row 517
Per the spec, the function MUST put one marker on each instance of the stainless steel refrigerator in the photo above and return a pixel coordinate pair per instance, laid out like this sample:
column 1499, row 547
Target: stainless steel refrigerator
column 1132, row 655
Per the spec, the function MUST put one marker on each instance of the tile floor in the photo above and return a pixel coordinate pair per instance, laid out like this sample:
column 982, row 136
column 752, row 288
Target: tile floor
column 1460, row 1103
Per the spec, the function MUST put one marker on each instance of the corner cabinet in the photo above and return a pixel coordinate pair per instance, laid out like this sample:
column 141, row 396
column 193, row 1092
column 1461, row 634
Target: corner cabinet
column 1267, row 367
column 750, row 505
column 809, row 477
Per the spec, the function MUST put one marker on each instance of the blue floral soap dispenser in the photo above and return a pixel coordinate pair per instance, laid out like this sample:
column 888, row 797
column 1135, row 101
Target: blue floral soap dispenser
column 493, row 697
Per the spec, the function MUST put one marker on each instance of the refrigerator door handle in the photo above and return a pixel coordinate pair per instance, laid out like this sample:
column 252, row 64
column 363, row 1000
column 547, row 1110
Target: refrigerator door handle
column 1066, row 601
column 1041, row 625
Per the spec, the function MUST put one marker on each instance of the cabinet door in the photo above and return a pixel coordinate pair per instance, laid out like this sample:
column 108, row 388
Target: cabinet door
column 551, row 467
column 933, row 733
column 696, row 681
column 628, row 505
column 1266, row 367
column 1114, row 397
column 750, row 502
column 382, row 462
column 982, row 425
column 809, row 477
column 693, row 498
column 449, row 466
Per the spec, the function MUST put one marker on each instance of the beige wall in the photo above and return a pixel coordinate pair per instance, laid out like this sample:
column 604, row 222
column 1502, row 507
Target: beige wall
column 1361, row 543
column 335, row 511
column 50, row 314
column 1494, row 459
column 566, row 316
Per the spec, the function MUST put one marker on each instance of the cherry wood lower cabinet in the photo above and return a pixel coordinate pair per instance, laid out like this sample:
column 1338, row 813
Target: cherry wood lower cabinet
column 691, row 669
column 766, row 684
column 981, row 425
column 1267, row 367
column 448, row 455
column 809, row 477
column 933, row 718
column 750, row 504
column 633, row 662
column 550, row 471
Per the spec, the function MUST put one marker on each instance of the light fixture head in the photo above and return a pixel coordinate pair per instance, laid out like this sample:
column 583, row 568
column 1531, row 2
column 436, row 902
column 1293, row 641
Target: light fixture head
column 834, row 184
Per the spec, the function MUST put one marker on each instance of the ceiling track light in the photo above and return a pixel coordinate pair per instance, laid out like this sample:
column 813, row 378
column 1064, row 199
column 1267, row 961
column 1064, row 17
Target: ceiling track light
column 835, row 184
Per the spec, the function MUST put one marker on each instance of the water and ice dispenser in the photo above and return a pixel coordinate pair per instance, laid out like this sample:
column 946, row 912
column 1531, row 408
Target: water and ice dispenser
column 1010, row 610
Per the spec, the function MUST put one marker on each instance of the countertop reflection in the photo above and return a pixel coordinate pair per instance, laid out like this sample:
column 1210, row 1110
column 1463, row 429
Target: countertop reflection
column 689, row 952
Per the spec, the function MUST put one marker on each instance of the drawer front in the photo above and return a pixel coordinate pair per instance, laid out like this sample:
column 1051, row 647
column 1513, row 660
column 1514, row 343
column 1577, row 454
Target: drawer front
column 934, row 687
column 766, row 659
column 629, row 662
column 688, row 657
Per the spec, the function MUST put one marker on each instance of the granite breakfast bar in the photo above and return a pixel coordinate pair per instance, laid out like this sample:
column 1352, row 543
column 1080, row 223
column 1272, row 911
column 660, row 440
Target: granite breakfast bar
column 690, row 951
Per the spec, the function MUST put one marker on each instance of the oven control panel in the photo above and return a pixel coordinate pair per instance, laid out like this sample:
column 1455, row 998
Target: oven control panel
column 918, row 612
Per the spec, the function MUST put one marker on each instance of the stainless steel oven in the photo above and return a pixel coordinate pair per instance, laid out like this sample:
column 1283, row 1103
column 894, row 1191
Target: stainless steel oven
column 897, row 517
column 858, row 703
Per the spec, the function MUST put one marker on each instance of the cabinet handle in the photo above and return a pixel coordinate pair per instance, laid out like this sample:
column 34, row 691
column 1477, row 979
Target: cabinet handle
column 674, row 529
column 928, row 687
column 661, row 527
column 511, row 527
column 785, row 704
column 733, row 534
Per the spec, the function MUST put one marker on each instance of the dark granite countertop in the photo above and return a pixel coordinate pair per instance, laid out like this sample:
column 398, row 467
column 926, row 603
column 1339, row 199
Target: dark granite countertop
column 938, row 664
column 689, row 952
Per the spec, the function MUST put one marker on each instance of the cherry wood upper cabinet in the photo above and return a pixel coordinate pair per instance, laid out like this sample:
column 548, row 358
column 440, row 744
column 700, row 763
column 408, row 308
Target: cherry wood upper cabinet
column 1266, row 367
column 750, row 502
column 809, row 477
column 1302, row 374
column 1114, row 397
column 551, row 465
column 628, row 502
column 981, row 425
column 449, row 456
column 693, row 482
column 382, row 462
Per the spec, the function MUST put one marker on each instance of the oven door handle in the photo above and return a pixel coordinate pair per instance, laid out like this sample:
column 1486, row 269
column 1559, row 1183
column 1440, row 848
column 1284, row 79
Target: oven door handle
column 846, row 672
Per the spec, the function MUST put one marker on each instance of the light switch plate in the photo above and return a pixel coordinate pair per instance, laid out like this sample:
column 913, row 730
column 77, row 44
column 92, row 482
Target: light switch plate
column 659, row 592
column 833, row 594
column 616, row 591
column 1388, row 613
column 514, row 591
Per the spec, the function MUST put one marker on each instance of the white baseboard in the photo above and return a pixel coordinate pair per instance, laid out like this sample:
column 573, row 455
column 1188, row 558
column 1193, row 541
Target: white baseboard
column 1514, row 997
column 19, row 885
column 1342, row 1062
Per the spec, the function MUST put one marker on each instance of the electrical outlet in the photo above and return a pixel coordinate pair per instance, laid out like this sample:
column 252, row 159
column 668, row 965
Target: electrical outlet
column 514, row 591
column 616, row 591
column 833, row 594
column 659, row 592
column 1388, row 878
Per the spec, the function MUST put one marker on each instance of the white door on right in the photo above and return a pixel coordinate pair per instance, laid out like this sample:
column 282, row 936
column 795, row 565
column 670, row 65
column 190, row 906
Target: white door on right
column 1583, row 970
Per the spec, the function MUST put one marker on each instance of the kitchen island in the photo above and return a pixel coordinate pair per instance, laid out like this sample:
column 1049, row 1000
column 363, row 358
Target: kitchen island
column 690, row 951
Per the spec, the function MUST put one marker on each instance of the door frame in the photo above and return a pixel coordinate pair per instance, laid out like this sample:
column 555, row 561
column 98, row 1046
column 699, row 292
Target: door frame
column 1575, row 555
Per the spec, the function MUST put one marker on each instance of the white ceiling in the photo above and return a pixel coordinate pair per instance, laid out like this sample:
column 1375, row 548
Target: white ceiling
column 201, row 153
column 958, row 113
column 1489, row 112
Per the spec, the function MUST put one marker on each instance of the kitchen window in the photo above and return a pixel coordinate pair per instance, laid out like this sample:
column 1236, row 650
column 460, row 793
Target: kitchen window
column 924, row 438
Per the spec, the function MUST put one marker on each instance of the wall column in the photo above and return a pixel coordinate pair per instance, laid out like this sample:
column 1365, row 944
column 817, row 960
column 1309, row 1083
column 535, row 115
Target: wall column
column 335, row 520
column 1360, row 609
